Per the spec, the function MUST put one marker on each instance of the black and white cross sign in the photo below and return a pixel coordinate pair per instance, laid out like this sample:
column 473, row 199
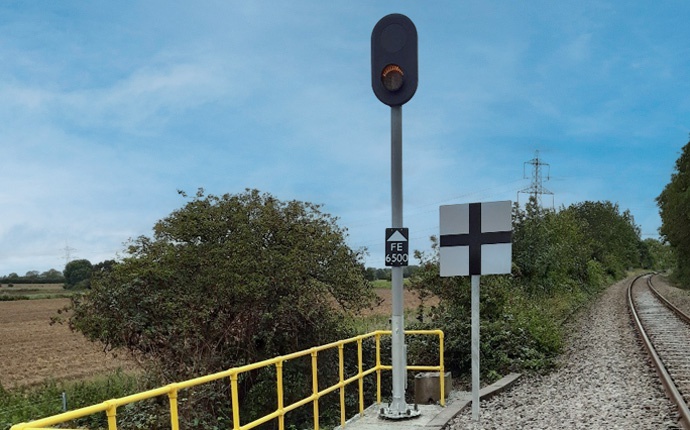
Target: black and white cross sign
column 476, row 239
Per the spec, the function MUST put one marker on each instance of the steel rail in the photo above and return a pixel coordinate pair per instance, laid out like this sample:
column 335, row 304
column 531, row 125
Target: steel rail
column 666, row 380
column 680, row 314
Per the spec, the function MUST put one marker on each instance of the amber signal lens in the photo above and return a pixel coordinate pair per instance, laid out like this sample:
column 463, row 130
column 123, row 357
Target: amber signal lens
column 392, row 77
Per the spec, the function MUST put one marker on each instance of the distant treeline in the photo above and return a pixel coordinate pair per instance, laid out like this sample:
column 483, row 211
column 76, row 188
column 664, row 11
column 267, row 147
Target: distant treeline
column 373, row 274
column 51, row 276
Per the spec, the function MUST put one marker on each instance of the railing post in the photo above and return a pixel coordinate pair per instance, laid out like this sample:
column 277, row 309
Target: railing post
column 361, row 378
column 378, row 368
column 111, row 413
column 341, row 362
column 174, row 420
column 442, row 371
column 279, row 385
column 315, row 386
column 235, row 401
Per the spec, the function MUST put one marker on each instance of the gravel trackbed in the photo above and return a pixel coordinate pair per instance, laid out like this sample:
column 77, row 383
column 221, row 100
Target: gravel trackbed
column 602, row 382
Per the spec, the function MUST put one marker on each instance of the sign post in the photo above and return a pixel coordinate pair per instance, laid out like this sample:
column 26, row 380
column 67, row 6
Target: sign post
column 475, row 347
column 394, row 82
column 475, row 240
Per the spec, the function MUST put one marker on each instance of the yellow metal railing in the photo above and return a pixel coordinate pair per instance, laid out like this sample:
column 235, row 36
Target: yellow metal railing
column 171, row 390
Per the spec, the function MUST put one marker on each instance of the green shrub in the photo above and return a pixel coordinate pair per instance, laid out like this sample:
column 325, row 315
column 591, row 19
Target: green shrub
column 226, row 281
column 516, row 334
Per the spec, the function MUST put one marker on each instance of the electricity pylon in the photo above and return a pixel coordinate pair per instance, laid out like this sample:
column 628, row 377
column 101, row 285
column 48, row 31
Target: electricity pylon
column 536, row 188
column 68, row 253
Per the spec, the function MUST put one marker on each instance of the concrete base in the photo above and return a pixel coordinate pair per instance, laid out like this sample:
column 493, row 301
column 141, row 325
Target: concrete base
column 432, row 417
column 427, row 387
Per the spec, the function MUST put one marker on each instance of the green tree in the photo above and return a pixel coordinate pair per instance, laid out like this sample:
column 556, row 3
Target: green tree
column 384, row 274
column 550, row 249
column 658, row 256
column 226, row 281
column 78, row 274
column 31, row 275
column 674, row 210
column 104, row 266
column 614, row 236
column 52, row 275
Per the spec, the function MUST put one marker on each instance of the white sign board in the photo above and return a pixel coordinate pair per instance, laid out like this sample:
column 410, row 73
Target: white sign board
column 476, row 238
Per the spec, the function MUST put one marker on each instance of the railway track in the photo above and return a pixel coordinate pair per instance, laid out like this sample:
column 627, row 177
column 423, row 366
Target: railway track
column 665, row 333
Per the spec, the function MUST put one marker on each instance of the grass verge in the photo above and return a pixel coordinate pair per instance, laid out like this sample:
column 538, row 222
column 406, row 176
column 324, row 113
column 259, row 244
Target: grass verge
column 29, row 403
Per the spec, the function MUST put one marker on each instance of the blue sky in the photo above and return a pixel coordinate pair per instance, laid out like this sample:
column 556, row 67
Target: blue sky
column 108, row 108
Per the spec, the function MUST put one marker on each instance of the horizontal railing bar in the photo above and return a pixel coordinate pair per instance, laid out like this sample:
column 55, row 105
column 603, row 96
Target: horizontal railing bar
column 259, row 421
column 205, row 379
column 389, row 367
column 70, row 415
column 328, row 390
column 369, row 371
column 437, row 332
column 350, row 380
column 302, row 402
column 388, row 332
column 292, row 356
column 424, row 368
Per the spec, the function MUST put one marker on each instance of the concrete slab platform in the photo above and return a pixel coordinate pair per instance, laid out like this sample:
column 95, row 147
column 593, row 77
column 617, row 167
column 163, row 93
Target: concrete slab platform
column 432, row 417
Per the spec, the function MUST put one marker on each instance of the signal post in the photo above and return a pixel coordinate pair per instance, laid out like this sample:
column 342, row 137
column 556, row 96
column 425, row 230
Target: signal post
column 394, row 81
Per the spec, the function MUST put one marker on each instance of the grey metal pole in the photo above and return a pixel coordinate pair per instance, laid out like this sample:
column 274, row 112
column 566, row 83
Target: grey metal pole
column 396, row 167
column 475, row 347
column 398, row 405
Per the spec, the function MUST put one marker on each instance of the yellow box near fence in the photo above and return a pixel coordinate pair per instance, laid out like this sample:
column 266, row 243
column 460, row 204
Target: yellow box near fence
column 172, row 390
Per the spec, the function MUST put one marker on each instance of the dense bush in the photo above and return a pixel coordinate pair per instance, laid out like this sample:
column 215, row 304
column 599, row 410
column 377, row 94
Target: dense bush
column 226, row 281
column 515, row 333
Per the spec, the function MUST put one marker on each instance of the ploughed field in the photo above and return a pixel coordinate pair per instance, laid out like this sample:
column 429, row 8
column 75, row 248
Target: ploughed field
column 410, row 300
column 32, row 350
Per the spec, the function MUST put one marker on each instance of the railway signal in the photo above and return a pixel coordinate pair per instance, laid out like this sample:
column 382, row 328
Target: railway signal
column 394, row 59
column 394, row 81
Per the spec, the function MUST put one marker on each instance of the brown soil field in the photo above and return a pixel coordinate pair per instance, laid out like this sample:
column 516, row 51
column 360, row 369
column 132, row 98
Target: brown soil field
column 36, row 287
column 410, row 301
column 32, row 289
column 32, row 350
